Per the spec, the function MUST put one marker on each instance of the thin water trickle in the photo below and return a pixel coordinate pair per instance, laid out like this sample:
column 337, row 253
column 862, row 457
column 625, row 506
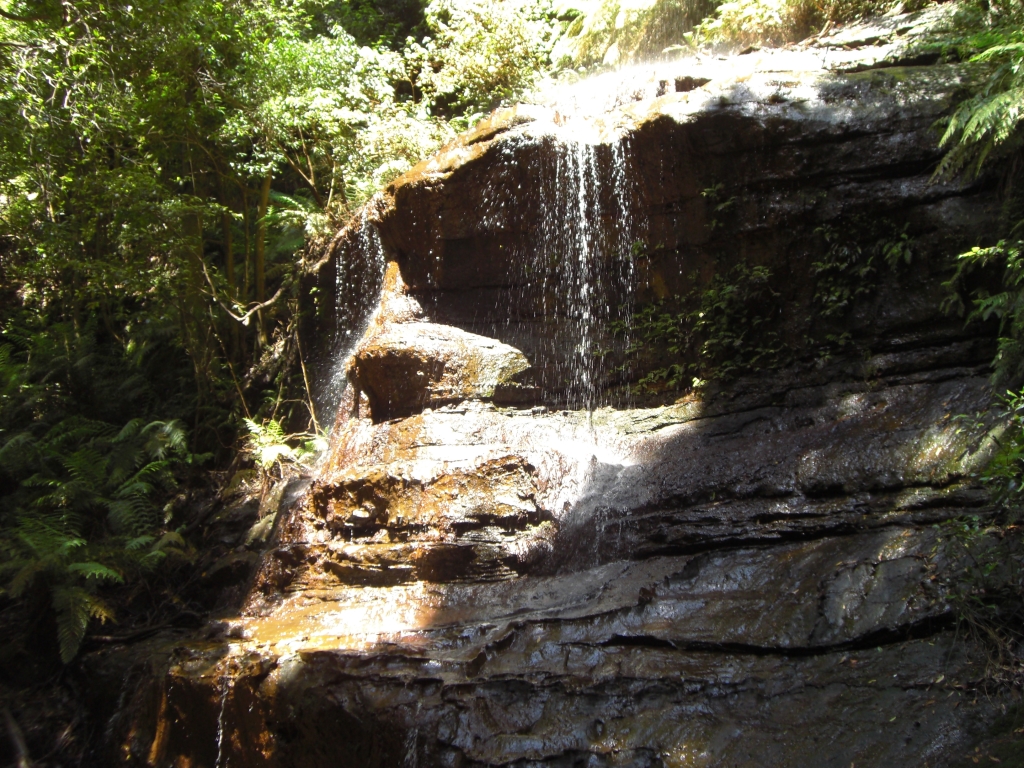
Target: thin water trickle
column 359, row 268
column 225, row 686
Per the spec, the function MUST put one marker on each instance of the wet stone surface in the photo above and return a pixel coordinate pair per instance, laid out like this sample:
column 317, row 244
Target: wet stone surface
column 503, row 561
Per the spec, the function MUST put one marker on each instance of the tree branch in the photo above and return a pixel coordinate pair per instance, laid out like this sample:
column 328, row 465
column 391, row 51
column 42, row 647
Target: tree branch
column 243, row 319
column 22, row 19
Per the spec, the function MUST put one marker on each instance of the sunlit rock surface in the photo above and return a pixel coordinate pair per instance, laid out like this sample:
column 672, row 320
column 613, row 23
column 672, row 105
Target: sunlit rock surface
column 563, row 577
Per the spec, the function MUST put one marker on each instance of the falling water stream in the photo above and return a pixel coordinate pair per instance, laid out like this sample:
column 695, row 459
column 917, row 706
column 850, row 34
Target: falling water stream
column 225, row 689
column 358, row 271
column 574, row 263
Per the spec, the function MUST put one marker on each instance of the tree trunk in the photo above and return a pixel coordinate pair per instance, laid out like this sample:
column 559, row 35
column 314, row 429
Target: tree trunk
column 261, row 246
column 228, row 244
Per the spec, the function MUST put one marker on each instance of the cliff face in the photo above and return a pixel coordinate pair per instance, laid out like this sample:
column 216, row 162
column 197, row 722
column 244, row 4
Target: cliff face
column 515, row 555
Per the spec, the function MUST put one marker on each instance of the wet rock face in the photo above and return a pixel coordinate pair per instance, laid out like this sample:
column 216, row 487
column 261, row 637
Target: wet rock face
column 486, row 573
column 405, row 364
column 752, row 168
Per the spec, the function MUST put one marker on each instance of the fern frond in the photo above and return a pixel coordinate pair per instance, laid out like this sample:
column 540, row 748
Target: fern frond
column 133, row 515
column 154, row 473
column 99, row 609
column 69, row 496
column 139, row 542
column 134, row 489
column 25, row 576
column 88, row 467
column 12, row 565
column 129, row 431
column 44, row 540
column 70, row 545
column 165, row 437
column 171, row 540
column 986, row 122
column 75, row 430
column 1000, row 50
column 72, row 606
column 268, row 455
column 96, row 571
column 18, row 451
column 152, row 559
column 122, row 461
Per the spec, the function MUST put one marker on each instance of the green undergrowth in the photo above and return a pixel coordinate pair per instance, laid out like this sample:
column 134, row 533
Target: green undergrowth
column 170, row 174
column 983, row 136
column 711, row 333
column 90, row 508
column 612, row 32
column 732, row 324
column 985, row 580
column 859, row 253
column 753, row 22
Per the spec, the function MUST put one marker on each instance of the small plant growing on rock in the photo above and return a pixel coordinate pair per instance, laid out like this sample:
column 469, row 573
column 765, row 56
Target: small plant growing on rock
column 720, row 205
column 851, row 269
column 714, row 332
column 270, row 447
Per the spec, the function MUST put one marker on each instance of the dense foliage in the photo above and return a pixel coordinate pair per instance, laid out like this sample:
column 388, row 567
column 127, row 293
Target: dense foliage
column 166, row 172
column 984, row 136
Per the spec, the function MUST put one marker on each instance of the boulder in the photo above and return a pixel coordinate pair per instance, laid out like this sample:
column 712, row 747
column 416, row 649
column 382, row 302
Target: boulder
column 405, row 364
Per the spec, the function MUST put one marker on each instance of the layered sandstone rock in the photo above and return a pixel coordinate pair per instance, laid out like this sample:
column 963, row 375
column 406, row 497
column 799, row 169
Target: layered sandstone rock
column 748, row 576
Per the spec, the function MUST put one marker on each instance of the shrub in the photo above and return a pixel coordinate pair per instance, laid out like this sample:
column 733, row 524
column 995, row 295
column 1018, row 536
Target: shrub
column 615, row 32
column 481, row 54
column 747, row 22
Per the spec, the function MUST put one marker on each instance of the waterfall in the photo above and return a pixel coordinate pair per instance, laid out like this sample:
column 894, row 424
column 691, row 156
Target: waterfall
column 358, row 263
column 577, row 267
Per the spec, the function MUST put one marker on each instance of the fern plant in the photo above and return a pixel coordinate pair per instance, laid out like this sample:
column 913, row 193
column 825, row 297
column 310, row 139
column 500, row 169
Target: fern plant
column 270, row 446
column 1005, row 473
column 1006, row 305
column 989, row 121
column 89, row 514
column 51, row 554
column 988, row 590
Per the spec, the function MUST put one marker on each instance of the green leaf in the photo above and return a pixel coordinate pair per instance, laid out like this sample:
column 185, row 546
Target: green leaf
column 96, row 571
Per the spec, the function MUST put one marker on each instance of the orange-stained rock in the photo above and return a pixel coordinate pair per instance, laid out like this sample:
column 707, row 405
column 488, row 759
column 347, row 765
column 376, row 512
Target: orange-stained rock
column 413, row 366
